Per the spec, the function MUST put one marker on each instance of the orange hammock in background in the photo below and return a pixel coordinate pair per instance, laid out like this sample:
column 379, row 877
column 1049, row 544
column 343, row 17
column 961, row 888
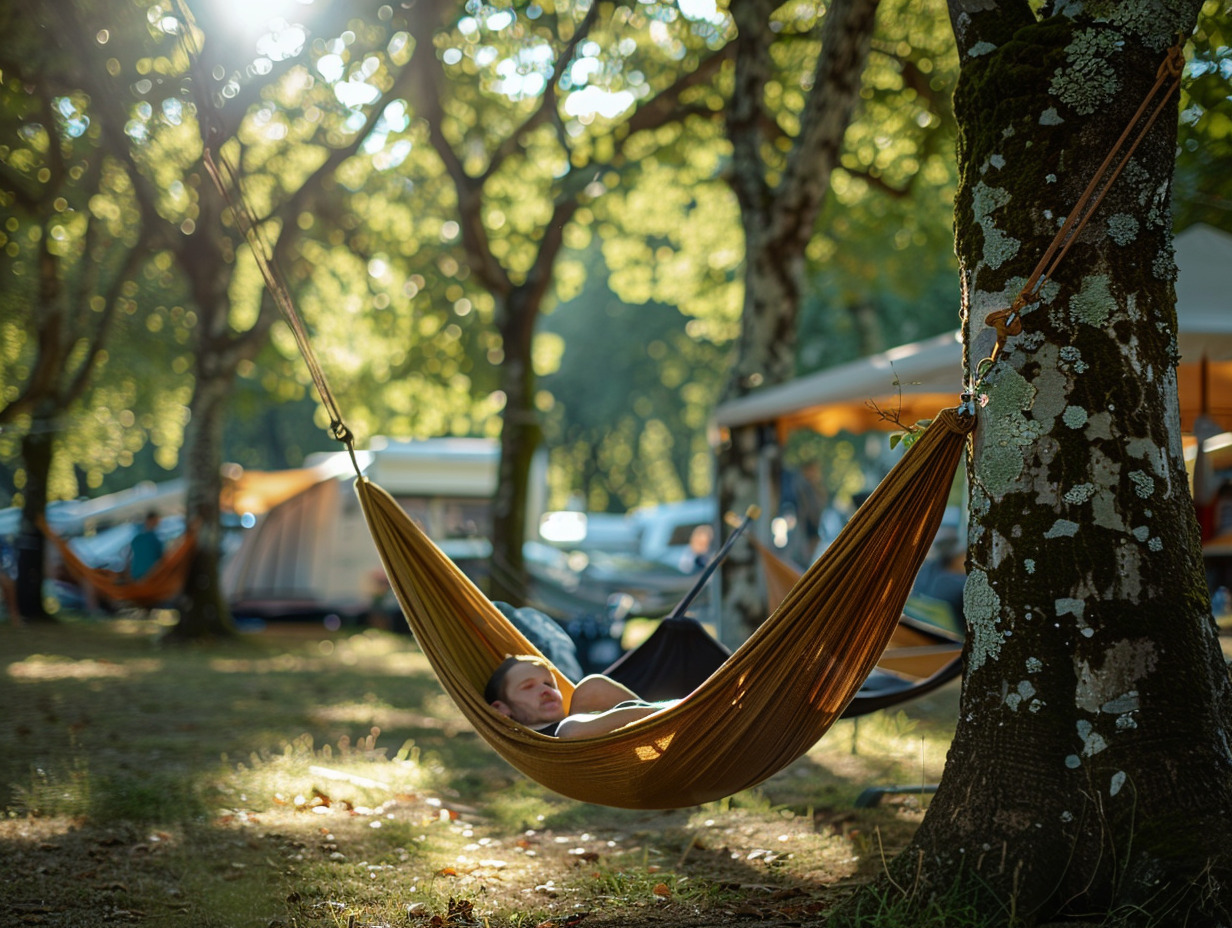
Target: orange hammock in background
column 921, row 652
column 766, row 706
column 162, row 583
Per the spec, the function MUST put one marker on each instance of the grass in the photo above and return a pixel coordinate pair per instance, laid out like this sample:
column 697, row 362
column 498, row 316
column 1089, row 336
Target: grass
column 306, row 778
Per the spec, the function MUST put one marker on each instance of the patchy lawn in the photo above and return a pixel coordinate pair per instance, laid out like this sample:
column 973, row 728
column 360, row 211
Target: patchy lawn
column 304, row 778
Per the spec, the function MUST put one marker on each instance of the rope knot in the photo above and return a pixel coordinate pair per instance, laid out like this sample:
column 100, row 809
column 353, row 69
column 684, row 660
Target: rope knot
column 1007, row 322
column 1173, row 63
column 340, row 432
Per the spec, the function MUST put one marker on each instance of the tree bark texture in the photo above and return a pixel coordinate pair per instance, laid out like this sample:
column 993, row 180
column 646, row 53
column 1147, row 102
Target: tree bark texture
column 519, row 439
column 778, row 222
column 1090, row 773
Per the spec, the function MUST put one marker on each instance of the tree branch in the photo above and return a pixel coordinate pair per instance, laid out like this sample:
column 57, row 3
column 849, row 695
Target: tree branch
column 663, row 107
column 14, row 182
column 539, row 277
column 81, row 379
column 546, row 110
column 845, row 38
column 425, row 66
column 875, row 180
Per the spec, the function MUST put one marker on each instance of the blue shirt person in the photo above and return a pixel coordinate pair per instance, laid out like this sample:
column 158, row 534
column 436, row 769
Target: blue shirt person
column 146, row 548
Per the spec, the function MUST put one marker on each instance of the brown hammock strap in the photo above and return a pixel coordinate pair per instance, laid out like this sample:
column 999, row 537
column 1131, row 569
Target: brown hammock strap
column 1008, row 322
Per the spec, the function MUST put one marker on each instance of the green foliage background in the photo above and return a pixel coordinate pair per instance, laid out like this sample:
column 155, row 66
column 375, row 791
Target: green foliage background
column 645, row 297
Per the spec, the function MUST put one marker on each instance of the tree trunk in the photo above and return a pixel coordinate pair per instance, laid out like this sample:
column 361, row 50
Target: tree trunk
column 778, row 224
column 204, row 613
column 36, row 452
column 520, row 435
column 1090, row 771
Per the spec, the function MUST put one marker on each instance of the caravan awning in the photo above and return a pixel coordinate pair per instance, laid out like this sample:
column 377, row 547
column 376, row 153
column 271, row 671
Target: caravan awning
column 916, row 380
column 913, row 380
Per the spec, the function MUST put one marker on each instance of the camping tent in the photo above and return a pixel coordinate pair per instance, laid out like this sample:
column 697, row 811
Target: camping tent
column 312, row 554
column 916, row 380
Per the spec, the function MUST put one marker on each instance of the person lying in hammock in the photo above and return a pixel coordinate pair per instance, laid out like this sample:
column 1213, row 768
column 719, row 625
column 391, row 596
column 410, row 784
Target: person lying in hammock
column 524, row 689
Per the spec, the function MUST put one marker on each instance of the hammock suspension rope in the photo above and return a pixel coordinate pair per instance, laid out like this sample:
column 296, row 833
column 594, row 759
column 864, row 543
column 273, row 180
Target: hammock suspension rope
column 1008, row 322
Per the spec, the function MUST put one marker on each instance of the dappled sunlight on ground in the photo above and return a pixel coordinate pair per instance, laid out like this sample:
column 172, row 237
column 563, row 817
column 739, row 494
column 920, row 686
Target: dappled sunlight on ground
column 388, row 717
column 283, row 663
column 39, row 668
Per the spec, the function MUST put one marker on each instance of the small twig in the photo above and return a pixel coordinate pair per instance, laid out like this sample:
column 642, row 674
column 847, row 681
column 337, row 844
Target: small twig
column 886, row 867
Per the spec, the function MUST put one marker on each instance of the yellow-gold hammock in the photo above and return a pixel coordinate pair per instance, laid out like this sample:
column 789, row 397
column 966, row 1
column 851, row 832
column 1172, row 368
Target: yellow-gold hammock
column 763, row 708
column 767, row 705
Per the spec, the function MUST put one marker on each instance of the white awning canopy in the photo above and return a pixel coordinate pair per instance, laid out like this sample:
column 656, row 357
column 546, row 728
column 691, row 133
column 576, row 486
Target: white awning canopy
column 911, row 382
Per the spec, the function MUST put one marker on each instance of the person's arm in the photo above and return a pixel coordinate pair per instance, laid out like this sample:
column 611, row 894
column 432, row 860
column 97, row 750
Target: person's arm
column 587, row 726
column 598, row 693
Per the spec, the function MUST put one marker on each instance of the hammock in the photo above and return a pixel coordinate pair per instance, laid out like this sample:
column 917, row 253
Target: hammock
column 921, row 656
column 762, row 709
column 161, row 583
column 681, row 655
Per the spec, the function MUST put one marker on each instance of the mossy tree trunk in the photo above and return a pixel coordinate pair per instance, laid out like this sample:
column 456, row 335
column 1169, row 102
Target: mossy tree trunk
column 1090, row 772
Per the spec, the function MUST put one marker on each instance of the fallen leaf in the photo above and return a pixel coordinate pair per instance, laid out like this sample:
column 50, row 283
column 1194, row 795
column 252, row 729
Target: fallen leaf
column 662, row 889
column 447, row 871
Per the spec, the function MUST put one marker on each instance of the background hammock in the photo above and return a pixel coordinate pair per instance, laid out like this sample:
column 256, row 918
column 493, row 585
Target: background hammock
column 681, row 654
column 920, row 657
column 160, row 584
column 763, row 708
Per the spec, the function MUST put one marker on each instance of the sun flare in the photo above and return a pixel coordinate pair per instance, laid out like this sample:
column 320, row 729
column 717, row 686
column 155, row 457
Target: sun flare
column 257, row 18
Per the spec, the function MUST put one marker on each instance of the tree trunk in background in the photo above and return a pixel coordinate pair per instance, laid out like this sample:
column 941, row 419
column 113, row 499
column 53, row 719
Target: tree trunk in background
column 204, row 613
column 778, row 221
column 218, row 350
column 1090, row 772
column 518, row 442
column 36, row 452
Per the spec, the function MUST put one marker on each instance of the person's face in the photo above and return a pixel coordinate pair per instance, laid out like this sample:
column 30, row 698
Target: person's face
column 531, row 696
